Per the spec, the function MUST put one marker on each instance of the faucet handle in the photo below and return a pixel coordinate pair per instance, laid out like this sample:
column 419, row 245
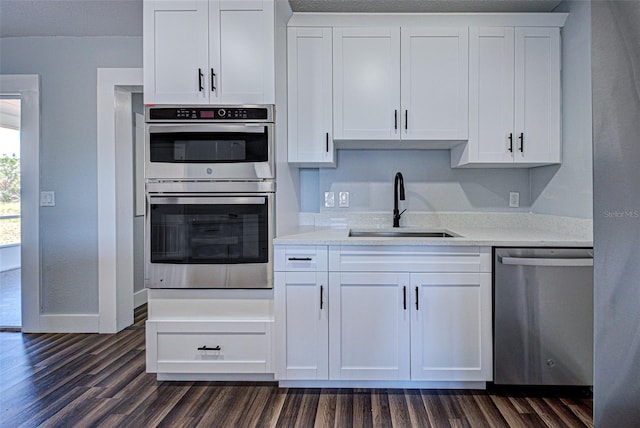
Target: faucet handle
column 402, row 212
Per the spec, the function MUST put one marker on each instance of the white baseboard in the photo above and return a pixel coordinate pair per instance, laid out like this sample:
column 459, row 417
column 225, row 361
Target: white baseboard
column 211, row 377
column 381, row 384
column 139, row 298
column 67, row 323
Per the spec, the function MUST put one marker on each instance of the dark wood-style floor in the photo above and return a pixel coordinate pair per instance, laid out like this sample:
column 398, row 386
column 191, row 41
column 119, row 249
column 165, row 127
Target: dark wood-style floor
column 64, row 380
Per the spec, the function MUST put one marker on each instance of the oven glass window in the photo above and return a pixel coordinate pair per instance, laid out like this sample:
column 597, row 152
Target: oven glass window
column 209, row 147
column 209, row 234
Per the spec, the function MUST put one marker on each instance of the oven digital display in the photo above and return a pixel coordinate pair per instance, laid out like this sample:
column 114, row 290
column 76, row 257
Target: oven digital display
column 206, row 114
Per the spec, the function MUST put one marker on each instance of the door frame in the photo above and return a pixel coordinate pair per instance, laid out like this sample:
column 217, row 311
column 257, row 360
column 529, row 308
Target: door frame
column 115, row 196
column 27, row 88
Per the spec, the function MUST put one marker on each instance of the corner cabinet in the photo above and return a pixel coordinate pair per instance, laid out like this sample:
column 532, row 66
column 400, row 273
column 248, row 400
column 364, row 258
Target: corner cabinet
column 400, row 83
column 200, row 52
column 515, row 98
column 310, row 88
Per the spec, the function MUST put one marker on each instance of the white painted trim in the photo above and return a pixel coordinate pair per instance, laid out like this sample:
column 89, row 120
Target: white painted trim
column 140, row 298
column 551, row 19
column 195, row 377
column 69, row 323
column 114, row 208
column 27, row 87
column 382, row 384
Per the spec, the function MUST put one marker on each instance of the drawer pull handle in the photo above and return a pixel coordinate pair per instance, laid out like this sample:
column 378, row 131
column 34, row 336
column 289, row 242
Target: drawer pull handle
column 206, row 348
column 299, row 259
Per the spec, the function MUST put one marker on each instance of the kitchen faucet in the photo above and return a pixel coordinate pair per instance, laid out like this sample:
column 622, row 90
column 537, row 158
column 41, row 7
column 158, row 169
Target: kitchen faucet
column 399, row 180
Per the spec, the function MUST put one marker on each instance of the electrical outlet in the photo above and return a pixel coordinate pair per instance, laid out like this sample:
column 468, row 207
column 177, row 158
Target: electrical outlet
column 48, row 199
column 343, row 199
column 514, row 199
column 329, row 200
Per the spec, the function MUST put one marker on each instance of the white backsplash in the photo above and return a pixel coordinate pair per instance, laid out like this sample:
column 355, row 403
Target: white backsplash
column 580, row 228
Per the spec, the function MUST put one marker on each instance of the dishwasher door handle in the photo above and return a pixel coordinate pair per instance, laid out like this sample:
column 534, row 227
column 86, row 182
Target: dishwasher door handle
column 540, row 261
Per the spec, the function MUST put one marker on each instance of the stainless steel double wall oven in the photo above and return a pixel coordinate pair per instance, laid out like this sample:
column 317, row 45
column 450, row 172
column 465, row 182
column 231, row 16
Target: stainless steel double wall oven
column 210, row 194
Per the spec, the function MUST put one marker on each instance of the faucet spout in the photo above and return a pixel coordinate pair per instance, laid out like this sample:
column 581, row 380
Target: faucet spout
column 398, row 186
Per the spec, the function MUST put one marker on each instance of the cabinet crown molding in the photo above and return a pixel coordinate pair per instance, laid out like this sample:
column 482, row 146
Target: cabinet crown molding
column 546, row 19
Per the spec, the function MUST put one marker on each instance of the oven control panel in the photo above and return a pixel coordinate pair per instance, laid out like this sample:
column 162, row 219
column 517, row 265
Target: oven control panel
column 209, row 114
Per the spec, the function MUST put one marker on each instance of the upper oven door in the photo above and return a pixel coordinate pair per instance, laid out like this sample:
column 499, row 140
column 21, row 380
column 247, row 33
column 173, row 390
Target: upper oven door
column 192, row 151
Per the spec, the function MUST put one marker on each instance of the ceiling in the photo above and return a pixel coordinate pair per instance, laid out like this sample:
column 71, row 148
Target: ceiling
column 29, row 18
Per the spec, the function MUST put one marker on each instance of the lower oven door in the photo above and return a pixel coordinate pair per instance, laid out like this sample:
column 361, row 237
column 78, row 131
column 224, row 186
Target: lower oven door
column 209, row 241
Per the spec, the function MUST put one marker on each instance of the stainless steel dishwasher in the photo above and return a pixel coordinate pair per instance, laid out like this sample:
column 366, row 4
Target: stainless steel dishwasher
column 543, row 316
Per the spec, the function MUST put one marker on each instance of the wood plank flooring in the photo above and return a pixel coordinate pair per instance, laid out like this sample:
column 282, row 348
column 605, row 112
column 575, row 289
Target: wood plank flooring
column 82, row 380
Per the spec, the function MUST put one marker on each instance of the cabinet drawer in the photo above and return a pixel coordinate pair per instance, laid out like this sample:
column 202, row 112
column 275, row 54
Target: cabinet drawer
column 301, row 258
column 409, row 259
column 209, row 346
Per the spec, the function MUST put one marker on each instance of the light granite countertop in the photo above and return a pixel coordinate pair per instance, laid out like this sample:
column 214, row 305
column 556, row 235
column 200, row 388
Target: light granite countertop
column 519, row 232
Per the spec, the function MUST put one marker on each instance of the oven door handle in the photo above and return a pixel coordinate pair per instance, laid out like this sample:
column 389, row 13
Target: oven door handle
column 249, row 128
column 198, row 200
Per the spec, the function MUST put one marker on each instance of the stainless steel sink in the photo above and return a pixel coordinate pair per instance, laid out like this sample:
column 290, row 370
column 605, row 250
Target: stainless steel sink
column 402, row 234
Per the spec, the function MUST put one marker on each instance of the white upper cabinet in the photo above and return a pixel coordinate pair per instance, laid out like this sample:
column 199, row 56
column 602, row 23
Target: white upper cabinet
column 200, row 52
column 366, row 76
column 176, row 50
column 434, row 75
column 537, row 96
column 310, row 89
column 390, row 86
column 514, row 98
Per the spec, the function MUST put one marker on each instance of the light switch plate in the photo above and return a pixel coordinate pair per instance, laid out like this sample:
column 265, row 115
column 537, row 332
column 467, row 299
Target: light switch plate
column 329, row 200
column 343, row 199
column 514, row 199
column 48, row 199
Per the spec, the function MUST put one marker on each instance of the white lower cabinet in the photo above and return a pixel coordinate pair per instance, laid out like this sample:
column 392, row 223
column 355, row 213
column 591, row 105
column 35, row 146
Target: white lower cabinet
column 429, row 320
column 302, row 337
column 451, row 326
column 369, row 326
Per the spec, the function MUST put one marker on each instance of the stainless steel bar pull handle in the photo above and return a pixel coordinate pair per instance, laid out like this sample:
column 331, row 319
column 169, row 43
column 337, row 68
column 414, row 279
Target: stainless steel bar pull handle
column 540, row 261
column 200, row 76
column 206, row 348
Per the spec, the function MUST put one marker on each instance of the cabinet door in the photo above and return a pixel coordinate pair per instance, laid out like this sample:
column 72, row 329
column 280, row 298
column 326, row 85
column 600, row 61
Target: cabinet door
column 242, row 54
column 302, row 325
column 369, row 326
column 310, row 96
column 175, row 52
column 451, row 327
column 366, row 77
column 537, row 95
column 491, row 95
column 435, row 82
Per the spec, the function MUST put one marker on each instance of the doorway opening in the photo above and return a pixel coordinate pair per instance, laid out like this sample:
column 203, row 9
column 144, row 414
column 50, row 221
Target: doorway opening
column 10, row 215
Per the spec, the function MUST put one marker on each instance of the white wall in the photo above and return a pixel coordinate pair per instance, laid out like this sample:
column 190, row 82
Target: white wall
column 431, row 184
column 67, row 66
column 568, row 189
